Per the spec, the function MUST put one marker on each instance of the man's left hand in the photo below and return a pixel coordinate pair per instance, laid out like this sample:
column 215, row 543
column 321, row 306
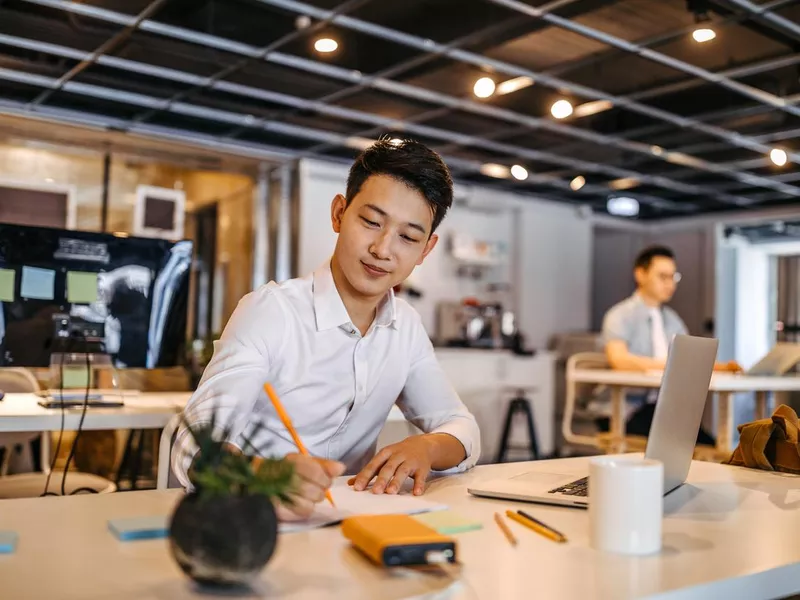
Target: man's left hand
column 394, row 464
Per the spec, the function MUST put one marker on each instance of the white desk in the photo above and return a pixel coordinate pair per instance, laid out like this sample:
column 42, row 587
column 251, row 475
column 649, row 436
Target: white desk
column 724, row 385
column 21, row 412
column 146, row 410
column 730, row 533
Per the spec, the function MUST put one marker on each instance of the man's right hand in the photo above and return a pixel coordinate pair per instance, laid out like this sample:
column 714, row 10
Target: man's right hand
column 313, row 476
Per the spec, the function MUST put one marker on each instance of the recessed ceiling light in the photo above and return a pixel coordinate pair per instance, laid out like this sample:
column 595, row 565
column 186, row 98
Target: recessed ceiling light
column 513, row 85
column 484, row 87
column 625, row 183
column 702, row 35
column 359, row 143
column 302, row 22
column 594, row 107
column 622, row 206
column 495, row 170
column 561, row 109
column 577, row 183
column 519, row 172
column 778, row 156
column 326, row 45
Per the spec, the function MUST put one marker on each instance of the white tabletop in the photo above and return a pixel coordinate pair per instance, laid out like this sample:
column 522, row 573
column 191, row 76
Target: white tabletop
column 729, row 533
column 720, row 382
column 145, row 410
column 150, row 410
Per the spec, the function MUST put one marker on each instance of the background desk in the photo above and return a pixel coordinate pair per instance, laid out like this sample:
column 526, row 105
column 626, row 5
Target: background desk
column 730, row 533
column 147, row 410
column 21, row 412
column 723, row 385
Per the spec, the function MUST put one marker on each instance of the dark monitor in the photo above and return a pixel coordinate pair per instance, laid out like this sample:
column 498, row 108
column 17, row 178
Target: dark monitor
column 75, row 291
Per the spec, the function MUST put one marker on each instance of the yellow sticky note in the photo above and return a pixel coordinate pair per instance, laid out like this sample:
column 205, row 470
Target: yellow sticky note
column 8, row 278
column 76, row 377
column 81, row 287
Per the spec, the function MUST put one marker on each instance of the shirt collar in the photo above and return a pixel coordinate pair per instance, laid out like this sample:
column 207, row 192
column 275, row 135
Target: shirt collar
column 330, row 311
column 637, row 299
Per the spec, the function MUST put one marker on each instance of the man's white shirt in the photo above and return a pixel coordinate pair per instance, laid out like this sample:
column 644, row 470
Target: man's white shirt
column 336, row 385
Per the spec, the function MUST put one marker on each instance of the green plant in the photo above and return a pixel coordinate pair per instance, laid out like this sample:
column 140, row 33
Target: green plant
column 219, row 471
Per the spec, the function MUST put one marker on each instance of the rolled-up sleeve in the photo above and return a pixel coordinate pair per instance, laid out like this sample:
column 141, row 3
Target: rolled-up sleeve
column 430, row 402
column 232, row 382
column 617, row 325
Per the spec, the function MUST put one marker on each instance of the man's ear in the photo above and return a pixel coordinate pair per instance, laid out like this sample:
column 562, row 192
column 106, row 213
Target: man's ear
column 429, row 245
column 338, row 207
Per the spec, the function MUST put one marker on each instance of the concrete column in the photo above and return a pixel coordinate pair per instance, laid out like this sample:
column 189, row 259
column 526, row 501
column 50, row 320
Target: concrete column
column 261, row 232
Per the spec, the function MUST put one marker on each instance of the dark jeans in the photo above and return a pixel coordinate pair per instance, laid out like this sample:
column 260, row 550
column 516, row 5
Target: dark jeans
column 642, row 419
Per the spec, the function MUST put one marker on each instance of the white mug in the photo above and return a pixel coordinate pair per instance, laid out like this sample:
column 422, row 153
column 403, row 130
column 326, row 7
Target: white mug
column 626, row 504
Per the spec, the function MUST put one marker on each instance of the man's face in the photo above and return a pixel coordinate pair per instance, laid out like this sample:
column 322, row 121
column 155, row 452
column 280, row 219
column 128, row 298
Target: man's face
column 659, row 280
column 383, row 234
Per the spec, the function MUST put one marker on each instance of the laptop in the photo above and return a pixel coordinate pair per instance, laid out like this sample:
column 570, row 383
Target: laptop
column 778, row 361
column 673, row 434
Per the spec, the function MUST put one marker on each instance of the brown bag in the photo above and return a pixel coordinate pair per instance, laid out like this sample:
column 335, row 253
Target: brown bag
column 770, row 444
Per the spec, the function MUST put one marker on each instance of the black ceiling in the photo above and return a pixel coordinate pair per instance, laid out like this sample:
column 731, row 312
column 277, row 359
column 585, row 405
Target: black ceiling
column 683, row 127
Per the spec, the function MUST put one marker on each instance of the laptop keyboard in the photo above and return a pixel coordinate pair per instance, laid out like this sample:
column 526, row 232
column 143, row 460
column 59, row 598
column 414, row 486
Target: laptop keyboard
column 574, row 488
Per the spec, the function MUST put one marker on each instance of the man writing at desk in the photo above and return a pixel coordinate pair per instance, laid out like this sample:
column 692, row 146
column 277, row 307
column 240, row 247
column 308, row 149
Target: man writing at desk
column 340, row 349
column 637, row 332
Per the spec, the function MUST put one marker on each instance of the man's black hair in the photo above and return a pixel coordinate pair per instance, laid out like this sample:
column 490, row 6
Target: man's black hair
column 646, row 256
column 410, row 163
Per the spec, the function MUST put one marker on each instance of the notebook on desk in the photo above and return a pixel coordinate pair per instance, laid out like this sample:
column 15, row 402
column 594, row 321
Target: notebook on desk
column 350, row 503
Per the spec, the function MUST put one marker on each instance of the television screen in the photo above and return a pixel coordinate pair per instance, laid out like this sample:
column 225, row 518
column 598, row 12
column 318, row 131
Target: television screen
column 61, row 290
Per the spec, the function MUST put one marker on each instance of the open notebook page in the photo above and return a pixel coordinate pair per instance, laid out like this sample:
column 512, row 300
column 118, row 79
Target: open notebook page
column 350, row 503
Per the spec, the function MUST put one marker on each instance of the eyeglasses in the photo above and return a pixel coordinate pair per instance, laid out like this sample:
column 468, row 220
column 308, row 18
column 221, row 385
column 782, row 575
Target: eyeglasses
column 675, row 277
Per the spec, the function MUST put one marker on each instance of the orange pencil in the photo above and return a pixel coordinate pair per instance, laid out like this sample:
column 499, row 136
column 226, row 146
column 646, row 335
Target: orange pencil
column 504, row 528
column 287, row 422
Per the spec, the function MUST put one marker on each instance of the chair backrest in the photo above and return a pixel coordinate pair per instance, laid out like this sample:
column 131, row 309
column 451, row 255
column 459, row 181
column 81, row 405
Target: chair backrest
column 167, row 379
column 17, row 380
column 581, row 360
column 165, row 476
column 587, row 360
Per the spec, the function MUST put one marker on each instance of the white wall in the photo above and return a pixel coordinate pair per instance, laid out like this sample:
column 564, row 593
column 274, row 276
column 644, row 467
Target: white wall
column 554, row 271
column 319, row 183
column 550, row 246
column 752, row 304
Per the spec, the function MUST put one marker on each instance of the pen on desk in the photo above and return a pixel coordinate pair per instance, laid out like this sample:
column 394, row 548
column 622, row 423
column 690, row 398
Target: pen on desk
column 539, row 527
column 287, row 422
column 504, row 528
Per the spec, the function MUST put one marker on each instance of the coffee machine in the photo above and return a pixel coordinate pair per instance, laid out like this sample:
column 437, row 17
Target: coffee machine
column 471, row 324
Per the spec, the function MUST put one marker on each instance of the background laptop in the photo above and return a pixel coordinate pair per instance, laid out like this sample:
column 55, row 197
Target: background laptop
column 679, row 411
column 777, row 361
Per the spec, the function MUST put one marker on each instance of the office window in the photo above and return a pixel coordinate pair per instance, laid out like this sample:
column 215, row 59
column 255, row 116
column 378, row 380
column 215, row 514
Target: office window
column 159, row 212
column 40, row 206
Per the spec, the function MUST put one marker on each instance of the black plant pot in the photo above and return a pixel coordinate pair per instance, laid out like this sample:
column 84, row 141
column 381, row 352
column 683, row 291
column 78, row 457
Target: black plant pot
column 223, row 541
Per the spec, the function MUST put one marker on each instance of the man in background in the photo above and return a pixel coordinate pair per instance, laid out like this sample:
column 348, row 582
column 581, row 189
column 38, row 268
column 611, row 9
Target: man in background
column 637, row 332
